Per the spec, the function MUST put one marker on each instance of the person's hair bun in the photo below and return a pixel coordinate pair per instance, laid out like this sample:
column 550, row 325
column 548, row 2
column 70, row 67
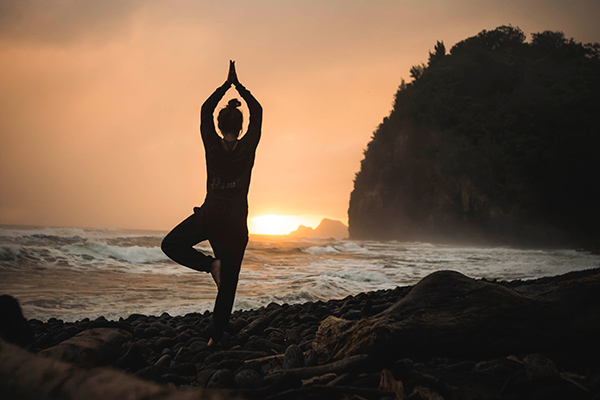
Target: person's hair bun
column 234, row 103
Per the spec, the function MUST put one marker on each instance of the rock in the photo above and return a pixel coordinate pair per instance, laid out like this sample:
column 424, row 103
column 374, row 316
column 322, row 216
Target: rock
column 42, row 341
column 135, row 317
column 272, row 307
column 92, row 347
column 166, row 350
column 303, row 231
column 311, row 358
column 294, row 358
column 198, row 345
column 247, row 379
column 166, row 330
column 204, row 375
column 150, row 373
column 262, row 344
column 133, row 359
column 327, row 228
column 164, row 361
column 61, row 336
column 150, row 332
column 26, row 376
column 448, row 314
column 138, row 332
column 236, row 325
column 163, row 343
column 221, row 379
column 306, row 345
column 182, row 338
column 308, row 318
column 256, row 326
column 183, row 354
column 293, row 338
column 352, row 315
column 187, row 369
column 230, row 364
column 200, row 356
column 13, row 326
column 277, row 338
column 101, row 322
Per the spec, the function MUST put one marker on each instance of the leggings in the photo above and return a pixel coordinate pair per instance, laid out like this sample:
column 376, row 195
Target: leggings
column 224, row 226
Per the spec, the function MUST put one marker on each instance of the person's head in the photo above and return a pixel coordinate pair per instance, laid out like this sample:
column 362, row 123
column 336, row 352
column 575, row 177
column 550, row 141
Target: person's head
column 230, row 118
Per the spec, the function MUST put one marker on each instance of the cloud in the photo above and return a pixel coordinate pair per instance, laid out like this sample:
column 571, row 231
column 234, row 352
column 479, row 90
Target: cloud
column 64, row 21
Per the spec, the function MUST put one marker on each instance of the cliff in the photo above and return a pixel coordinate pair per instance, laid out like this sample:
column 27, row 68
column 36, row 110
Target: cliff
column 328, row 228
column 496, row 140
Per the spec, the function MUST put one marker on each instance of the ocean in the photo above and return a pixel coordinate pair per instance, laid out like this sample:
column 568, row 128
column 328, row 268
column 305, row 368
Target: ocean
column 71, row 274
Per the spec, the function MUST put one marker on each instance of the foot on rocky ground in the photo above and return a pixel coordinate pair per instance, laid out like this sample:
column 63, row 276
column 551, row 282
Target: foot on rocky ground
column 213, row 344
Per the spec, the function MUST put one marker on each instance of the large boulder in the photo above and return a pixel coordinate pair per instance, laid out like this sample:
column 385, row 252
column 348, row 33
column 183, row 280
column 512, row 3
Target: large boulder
column 13, row 325
column 26, row 376
column 448, row 314
column 92, row 347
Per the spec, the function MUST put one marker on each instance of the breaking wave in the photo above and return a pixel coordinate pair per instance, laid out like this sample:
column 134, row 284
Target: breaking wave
column 131, row 254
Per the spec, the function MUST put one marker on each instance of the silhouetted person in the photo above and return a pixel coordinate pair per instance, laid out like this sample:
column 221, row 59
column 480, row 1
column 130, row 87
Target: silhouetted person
column 222, row 219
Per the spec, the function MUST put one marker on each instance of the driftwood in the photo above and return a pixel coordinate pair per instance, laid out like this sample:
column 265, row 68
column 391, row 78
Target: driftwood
column 449, row 314
column 26, row 376
column 275, row 358
column 336, row 367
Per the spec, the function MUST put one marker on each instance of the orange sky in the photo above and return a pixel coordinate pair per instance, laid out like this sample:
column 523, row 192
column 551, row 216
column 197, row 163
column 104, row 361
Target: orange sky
column 100, row 100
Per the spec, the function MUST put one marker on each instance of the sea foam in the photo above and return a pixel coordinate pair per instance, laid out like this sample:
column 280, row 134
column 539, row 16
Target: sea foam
column 320, row 250
column 131, row 254
column 70, row 273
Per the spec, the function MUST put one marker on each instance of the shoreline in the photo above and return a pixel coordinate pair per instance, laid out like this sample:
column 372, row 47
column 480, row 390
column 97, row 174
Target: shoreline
column 263, row 345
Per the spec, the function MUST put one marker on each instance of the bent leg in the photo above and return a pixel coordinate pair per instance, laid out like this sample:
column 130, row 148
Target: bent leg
column 178, row 244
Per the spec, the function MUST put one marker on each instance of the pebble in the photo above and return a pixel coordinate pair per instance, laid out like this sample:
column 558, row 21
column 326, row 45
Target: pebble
column 293, row 358
column 256, row 326
column 247, row 379
column 173, row 349
column 164, row 361
column 221, row 379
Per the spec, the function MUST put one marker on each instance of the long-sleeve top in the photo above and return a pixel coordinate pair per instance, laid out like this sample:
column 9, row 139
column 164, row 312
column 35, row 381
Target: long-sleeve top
column 229, row 172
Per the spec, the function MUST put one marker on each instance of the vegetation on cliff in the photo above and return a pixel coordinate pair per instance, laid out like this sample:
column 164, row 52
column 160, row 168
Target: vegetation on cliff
column 497, row 139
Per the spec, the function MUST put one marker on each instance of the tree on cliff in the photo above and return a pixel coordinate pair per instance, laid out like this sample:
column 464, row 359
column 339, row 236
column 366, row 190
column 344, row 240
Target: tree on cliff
column 500, row 137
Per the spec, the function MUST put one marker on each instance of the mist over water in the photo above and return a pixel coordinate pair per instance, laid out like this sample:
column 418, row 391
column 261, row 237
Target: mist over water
column 76, row 273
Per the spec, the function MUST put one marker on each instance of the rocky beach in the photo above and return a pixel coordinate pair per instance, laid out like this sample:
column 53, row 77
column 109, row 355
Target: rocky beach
column 448, row 337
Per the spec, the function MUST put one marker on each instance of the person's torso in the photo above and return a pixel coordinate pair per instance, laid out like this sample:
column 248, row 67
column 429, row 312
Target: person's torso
column 228, row 173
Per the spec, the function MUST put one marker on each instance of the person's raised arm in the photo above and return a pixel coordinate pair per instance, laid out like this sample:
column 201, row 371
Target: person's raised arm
column 207, row 122
column 254, row 126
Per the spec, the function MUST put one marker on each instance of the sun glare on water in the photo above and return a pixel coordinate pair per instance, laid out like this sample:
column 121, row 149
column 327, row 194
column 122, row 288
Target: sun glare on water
column 273, row 224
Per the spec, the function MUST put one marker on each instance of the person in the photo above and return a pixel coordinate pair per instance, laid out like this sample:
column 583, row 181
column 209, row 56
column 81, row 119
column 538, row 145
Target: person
column 222, row 218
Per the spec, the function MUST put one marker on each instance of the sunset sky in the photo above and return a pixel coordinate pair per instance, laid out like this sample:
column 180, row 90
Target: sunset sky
column 100, row 100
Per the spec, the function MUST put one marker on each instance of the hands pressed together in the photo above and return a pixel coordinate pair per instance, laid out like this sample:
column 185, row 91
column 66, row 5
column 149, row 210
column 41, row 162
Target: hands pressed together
column 232, row 75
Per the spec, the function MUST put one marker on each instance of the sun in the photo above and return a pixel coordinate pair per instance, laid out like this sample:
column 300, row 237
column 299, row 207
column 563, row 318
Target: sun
column 274, row 224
